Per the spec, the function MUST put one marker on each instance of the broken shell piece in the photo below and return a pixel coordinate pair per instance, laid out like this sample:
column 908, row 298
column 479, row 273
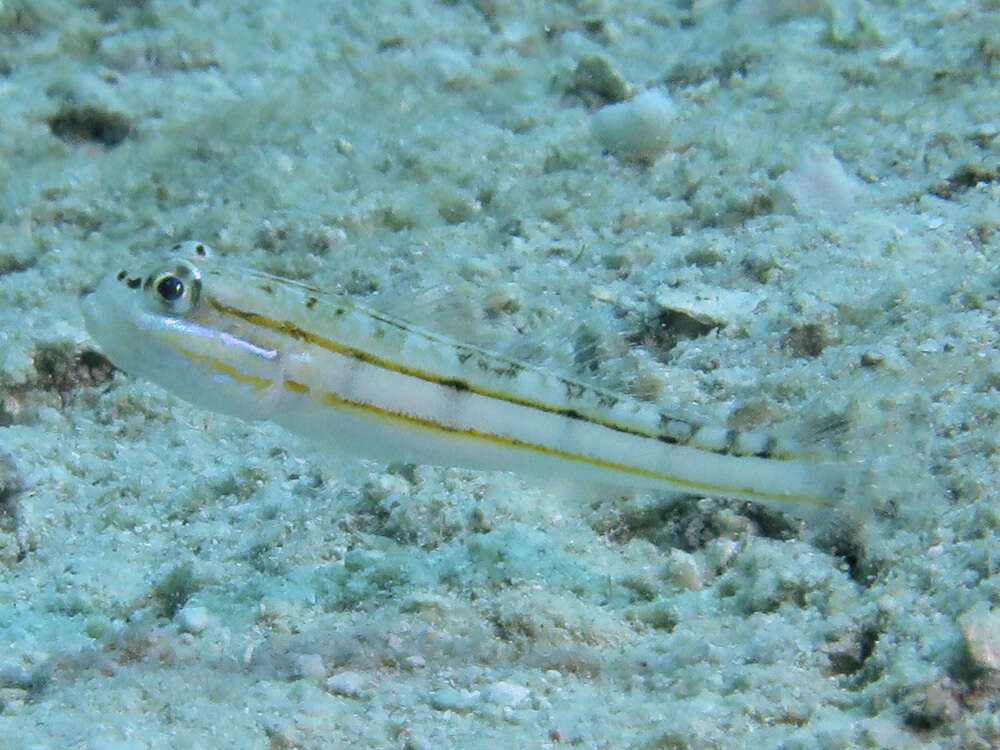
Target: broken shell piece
column 710, row 306
column 818, row 184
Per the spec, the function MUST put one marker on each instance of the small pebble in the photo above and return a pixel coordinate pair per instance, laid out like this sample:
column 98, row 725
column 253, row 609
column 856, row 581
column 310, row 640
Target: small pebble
column 507, row 694
column 13, row 700
column 684, row 571
column 719, row 553
column 309, row 666
column 981, row 631
column 347, row 684
column 596, row 82
column 449, row 699
column 708, row 305
column 415, row 662
column 193, row 619
column 10, row 480
column 819, row 185
column 636, row 130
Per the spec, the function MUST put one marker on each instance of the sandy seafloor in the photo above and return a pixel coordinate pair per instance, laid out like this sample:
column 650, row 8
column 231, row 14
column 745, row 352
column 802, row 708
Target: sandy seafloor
column 173, row 578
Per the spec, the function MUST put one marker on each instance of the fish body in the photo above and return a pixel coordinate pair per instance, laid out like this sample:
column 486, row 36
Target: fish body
column 356, row 380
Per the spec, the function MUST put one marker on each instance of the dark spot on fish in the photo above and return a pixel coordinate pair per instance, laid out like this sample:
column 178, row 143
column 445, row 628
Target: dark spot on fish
column 509, row 370
column 121, row 275
column 311, row 303
column 266, row 288
column 607, row 400
column 288, row 328
column 455, row 383
column 134, row 283
column 200, row 250
column 570, row 413
column 670, row 426
column 732, row 436
column 574, row 390
column 770, row 446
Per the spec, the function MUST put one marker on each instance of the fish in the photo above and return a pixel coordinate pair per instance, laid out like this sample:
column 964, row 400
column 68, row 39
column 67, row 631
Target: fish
column 353, row 379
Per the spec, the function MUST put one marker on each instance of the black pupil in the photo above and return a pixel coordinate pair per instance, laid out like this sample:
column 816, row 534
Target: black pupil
column 170, row 288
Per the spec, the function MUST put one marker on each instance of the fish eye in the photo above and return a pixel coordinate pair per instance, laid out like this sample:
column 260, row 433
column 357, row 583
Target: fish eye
column 174, row 289
column 170, row 288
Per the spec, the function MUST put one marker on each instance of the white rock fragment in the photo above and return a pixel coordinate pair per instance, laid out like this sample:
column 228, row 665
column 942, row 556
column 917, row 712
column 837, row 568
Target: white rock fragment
column 347, row 684
column 779, row 11
column 719, row 553
column 903, row 54
column 709, row 305
column 193, row 619
column 638, row 129
column 981, row 631
column 309, row 666
column 10, row 550
column 13, row 700
column 819, row 185
column 507, row 694
column 415, row 662
column 684, row 571
column 447, row 66
column 459, row 701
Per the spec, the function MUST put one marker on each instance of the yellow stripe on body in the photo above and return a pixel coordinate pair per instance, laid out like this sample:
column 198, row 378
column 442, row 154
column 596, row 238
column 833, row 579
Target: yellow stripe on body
column 296, row 386
column 296, row 332
column 370, row 411
column 218, row 365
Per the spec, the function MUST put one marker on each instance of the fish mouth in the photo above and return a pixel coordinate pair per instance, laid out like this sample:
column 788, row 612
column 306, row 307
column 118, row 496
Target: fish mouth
column 88, row 306
column 108, row 322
